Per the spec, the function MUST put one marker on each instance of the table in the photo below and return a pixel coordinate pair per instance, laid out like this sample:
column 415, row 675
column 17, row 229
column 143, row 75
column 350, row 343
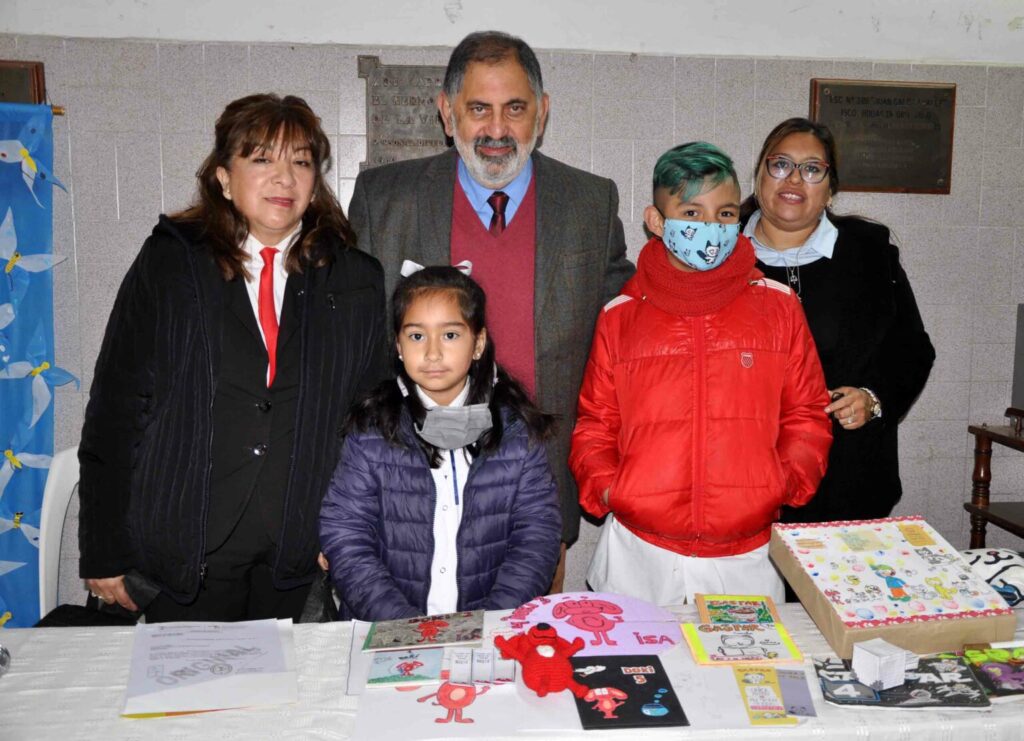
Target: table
column 68, row 683
column 1007, row 515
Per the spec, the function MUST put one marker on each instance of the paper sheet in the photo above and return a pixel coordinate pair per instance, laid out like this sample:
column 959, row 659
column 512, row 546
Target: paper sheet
column 194, row 667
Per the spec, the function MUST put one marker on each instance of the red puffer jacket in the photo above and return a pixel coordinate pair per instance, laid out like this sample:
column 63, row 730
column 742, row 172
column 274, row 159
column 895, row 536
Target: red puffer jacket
column 702, row 426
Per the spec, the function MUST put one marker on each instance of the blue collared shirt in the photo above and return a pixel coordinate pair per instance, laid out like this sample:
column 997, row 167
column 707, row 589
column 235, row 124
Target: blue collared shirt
column 478, row 194
column 820, row 244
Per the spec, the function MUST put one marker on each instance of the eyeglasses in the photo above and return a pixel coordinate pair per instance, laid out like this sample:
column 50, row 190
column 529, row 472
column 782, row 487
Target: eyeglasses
column 780, row 167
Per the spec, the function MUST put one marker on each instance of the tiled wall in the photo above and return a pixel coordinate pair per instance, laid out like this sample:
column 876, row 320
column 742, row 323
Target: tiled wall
column 140, row 119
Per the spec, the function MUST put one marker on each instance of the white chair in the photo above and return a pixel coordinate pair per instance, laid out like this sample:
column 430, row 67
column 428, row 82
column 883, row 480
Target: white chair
column 60, row 486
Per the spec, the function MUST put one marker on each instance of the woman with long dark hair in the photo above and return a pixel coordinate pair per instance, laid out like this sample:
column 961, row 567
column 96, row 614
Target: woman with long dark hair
column 860, row 308
column 240, row 336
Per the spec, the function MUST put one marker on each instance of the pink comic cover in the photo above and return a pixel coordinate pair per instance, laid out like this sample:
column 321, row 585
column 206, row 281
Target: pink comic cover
column 609, row 624
column 889, row 571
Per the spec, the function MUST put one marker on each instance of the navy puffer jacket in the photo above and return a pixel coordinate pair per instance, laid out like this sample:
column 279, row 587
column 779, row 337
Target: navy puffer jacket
column 376, row 525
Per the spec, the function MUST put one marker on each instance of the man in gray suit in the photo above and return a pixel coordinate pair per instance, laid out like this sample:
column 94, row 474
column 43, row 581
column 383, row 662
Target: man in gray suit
column 544, row 238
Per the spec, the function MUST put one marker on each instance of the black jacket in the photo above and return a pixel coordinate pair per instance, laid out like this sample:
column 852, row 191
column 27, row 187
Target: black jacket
column 145, row 450
column 868, row 330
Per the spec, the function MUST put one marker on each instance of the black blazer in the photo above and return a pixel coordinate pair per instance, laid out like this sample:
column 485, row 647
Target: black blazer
column 864, row 319
column 145, row 451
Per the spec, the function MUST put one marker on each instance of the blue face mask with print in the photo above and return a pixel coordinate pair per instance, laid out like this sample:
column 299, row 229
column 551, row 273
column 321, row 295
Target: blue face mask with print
column 698, row 244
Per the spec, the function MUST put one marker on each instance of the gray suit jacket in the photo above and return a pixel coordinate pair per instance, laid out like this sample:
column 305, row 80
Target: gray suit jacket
column 404, row 211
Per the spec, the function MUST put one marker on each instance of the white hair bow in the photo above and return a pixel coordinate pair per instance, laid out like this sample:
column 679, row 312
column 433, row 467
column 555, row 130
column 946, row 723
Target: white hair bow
column 409, row 267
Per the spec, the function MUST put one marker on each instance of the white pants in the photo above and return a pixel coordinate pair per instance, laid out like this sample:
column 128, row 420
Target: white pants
column 625, row 564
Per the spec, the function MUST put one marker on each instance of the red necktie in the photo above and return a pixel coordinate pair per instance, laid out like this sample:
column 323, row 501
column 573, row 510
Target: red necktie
column 268, row 315
column 497, row 202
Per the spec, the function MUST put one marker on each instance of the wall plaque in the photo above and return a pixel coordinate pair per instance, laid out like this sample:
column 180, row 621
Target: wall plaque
column 402, row 121
column 894, row 137
column 22, row 82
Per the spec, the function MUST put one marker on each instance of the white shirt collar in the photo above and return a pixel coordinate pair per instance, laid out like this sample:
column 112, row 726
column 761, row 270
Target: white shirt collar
column 252, row 246
column 820, row 244
column 458, row 401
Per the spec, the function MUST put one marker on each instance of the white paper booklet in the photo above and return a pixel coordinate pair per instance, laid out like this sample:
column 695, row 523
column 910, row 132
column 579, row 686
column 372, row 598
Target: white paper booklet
column 191, row 667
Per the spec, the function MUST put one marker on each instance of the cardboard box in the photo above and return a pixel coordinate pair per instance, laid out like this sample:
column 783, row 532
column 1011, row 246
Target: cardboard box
column 894, row 578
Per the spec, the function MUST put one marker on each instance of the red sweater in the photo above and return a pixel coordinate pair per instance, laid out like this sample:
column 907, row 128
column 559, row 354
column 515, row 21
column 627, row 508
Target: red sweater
column 504, row 268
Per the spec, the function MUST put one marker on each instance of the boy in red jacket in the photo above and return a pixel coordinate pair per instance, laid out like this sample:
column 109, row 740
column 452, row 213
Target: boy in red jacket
column 703, row 406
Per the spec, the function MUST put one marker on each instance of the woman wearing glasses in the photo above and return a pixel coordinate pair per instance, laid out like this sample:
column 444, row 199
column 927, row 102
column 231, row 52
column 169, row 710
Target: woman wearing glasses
column 860, row 308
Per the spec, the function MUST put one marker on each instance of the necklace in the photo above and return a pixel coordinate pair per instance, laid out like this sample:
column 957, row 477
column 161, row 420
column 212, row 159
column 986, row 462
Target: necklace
column 792, row 271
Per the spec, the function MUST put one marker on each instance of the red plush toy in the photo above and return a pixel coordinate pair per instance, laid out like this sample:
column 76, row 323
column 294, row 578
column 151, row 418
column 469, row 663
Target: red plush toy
column 544, row 656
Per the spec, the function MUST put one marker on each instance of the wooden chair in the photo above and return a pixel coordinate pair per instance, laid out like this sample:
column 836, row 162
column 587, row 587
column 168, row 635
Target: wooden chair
column 1007, row 515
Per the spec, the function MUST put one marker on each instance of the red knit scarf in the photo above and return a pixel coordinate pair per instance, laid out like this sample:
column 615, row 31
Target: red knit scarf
column 694, row 293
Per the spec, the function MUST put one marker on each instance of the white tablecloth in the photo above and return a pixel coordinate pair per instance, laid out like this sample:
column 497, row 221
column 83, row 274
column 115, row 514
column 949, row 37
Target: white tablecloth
column 69, row 683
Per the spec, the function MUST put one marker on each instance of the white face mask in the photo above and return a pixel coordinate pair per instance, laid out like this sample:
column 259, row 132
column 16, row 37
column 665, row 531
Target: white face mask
column 699, row 244
column 451, row 428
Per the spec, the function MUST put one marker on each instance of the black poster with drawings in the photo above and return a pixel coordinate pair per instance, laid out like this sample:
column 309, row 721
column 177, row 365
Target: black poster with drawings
column 626, row 692
column 937, row 682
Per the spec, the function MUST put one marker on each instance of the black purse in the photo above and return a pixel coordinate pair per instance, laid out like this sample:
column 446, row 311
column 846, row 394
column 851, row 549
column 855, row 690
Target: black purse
column 98, row 613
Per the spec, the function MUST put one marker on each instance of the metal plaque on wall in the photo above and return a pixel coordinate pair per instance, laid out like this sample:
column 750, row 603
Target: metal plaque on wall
column 402, row 121
column 894, row 137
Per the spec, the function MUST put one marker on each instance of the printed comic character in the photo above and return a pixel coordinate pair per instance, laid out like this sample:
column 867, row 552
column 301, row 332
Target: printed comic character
column 709, row 253
column 689, row 231
column 936, row 583
column 963, row 586
column 933, row 558
column 919, row 591
column 429, row 629
column 454, row 698
column 852, row 579
column 893, row 582
column 606, row 699
column 589, row 615
column 406, row 668
column 743, row 644
column 873, row 591
column 1003, row 675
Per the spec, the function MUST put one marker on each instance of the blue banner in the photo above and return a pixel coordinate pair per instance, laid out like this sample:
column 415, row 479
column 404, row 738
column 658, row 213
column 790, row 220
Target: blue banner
column 28, row 373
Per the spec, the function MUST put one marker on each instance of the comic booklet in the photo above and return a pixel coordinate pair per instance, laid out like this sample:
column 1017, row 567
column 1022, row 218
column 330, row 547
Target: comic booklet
column 713, row 644
column 937, row 682
column 999, row 667
column 626, row 692
column 431, row 630
column 762, row 696
column 736, row 608
column 403, row 668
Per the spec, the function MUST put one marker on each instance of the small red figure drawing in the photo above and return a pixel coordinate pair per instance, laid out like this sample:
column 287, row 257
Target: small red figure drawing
column 406, row 668
column 835, row 595
column 589, row 615
column 606, row 699
column 429, row 629
column 454, row 698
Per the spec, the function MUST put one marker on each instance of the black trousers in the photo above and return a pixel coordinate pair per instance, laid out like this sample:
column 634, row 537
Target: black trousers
column 239, row 581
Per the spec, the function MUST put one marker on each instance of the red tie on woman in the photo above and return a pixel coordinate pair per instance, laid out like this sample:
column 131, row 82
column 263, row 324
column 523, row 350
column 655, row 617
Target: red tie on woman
column 497, row 201
column 268, row 315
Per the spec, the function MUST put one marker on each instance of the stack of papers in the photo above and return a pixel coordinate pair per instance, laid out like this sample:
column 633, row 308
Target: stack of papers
column 180, row 668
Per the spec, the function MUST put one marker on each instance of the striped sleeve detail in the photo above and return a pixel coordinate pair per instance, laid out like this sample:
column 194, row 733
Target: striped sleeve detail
column 620, row 299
